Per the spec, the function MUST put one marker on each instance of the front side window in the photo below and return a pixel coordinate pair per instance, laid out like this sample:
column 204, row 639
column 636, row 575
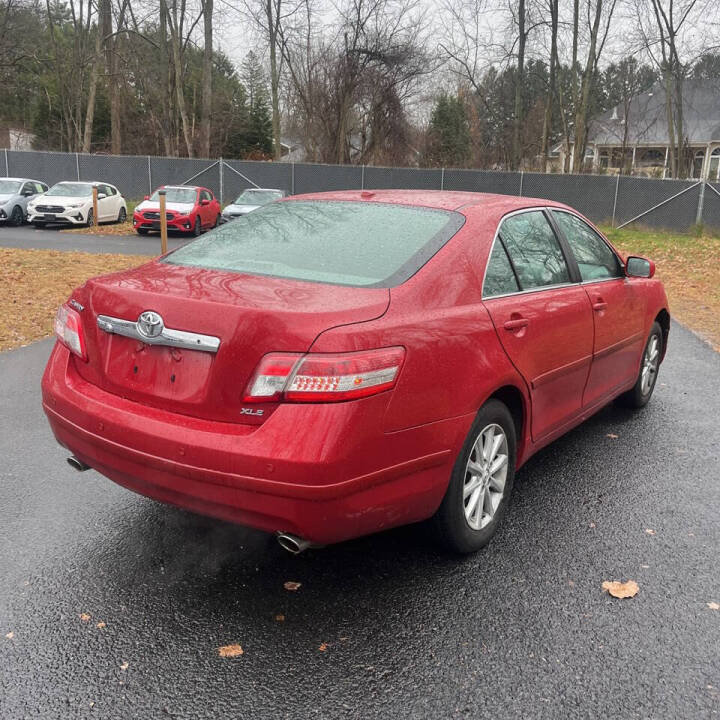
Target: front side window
column 28, row 189
column 499, row 276
column 594, row 258
column 343, row 243
column 534, row 250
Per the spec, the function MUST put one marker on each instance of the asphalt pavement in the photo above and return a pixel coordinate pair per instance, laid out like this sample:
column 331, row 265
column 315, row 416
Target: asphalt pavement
column 52, row 238
column 385, row 626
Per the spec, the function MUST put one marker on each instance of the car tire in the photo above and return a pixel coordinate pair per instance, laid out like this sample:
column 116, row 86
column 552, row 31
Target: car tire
column 460, row 525
column 39, row 225
column 642, row 391
column 197, row 230
column 122, row 216
column 142, row 231
column 90, row 218
column 17, row 217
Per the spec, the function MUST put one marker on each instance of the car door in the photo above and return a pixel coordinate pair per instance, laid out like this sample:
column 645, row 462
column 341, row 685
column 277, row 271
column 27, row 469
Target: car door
column 206, row 208
column 618, row 308
column 27, row 193
column 542, row 316
column 104, row 203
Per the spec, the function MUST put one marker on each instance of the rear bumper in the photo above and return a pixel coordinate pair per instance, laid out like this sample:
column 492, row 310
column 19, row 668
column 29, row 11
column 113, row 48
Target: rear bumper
column 324, row 472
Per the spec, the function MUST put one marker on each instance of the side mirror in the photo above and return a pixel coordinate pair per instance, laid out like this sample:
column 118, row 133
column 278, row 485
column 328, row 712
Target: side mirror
column 147, row 197
column 205, row 202
column 639, row 267
column 101, row 196
column 28, row 193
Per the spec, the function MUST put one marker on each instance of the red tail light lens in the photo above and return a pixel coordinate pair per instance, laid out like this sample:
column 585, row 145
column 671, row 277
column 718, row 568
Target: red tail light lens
column 69, row 330
column 318, row 377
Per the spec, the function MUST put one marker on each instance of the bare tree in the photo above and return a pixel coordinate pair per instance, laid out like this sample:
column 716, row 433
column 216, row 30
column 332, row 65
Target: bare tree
column 207, row 90
column 550, row 100
column 599, row 17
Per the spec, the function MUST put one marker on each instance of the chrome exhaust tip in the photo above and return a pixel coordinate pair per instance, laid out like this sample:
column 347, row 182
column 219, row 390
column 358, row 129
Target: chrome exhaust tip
column 78, row 465
column 292, row 543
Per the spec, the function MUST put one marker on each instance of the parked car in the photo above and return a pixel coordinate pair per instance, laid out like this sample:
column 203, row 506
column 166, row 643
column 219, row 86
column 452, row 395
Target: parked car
column 188, row 209
column 71, row 203
column 15, row 193
column 359, row 360
column 249, row 200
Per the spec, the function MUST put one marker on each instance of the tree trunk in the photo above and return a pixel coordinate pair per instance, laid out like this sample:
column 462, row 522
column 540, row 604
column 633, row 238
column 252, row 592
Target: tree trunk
column 547, row 122
column 165, row 66
column 206, row 80
column 272, row 9
column 92, row 92
column 670, row 121
column 178, row 77
column 517, row 124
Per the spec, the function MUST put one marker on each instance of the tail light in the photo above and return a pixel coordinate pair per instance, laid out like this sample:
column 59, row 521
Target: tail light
column 69, row 330
column 319, row 377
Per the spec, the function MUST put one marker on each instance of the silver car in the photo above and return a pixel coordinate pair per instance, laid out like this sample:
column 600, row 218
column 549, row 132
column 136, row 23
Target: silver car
column 249, row 200
column 14, row 196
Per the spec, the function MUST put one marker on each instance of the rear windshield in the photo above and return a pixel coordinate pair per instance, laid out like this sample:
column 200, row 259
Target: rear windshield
column 343, row 243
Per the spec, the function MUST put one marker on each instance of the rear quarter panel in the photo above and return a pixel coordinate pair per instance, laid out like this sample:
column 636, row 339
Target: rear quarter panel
column 454, row 360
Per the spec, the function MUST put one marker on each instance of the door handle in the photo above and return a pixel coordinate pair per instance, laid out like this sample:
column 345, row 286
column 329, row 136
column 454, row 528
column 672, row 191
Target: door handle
column 599, row 305
column 516, row 324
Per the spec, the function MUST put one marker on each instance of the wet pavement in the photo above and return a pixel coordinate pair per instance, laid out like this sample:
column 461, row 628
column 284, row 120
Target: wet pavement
column 382, row 626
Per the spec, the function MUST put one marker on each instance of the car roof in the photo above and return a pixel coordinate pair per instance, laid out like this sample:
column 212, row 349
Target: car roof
column 264, row 189
column 458, row 200
column 181, row 187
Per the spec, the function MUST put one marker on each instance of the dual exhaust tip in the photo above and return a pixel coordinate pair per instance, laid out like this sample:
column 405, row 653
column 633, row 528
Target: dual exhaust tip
column 292, row 543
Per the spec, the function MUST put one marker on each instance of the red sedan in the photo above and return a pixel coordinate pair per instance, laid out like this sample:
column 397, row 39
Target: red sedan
column 336, row 364
column 188, row 209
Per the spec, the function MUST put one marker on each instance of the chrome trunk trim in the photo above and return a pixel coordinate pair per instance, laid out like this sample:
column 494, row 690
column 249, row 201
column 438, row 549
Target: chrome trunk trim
column 172, row 338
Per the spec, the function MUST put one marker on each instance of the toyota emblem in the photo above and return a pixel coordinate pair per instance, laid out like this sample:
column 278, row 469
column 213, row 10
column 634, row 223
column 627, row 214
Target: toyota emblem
column 150, row 324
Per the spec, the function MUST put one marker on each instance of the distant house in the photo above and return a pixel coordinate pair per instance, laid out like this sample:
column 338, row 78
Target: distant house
column 640, row 142
column 16, row 138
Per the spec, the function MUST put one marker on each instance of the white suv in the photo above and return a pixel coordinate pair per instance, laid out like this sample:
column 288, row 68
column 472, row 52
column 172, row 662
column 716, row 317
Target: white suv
column 71, row 203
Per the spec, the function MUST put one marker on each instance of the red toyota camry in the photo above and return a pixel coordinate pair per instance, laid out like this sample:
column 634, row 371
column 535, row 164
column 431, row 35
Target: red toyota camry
column 189, row 209
column 335, row 364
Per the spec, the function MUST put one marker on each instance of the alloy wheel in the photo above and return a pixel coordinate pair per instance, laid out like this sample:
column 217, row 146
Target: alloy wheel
column 16, row 217
column 651, row 360
column 485, row 476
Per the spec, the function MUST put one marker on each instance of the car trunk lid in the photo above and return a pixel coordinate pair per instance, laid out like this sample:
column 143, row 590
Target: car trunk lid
column 250, row 315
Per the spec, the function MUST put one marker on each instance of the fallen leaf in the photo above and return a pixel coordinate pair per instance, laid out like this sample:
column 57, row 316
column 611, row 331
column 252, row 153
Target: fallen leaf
column 649, row 531
column 571, row 583
column 279, row 618
column 10, row 635
column 230, row 651
column 84, row 617
column 714, row 605
column 323, row 647
column 292, row 585
column 125, row 665
column 613, row 436
column 101, row 625
column 592, row 525
column 620, row 589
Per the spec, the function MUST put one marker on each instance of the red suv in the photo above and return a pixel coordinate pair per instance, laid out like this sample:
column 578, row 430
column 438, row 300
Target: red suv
column 188, row 209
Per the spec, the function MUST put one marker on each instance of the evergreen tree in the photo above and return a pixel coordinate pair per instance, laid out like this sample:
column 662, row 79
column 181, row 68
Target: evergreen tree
column 448, row 140
column 258, row 136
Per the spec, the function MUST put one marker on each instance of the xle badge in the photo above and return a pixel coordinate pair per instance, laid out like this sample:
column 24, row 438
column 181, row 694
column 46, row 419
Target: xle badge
column 251, row 411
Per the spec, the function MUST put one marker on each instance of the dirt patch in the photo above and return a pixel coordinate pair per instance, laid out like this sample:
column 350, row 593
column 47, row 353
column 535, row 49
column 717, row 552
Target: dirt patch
column 110, row 229
column 35, row 282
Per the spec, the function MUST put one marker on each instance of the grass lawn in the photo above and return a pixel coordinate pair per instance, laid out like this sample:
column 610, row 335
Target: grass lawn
column 35, row 282
column 689, row 265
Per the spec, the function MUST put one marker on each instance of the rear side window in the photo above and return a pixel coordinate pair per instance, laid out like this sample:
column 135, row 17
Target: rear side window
column 594, row 258
column 343, row 243
column 499, row 276
column 534, row 250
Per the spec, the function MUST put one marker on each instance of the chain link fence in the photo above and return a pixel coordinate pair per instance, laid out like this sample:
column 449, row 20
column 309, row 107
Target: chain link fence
column 616, row 200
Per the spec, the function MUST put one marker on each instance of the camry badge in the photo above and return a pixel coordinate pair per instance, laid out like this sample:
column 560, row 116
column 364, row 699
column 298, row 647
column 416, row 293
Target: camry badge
column 150, row 324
